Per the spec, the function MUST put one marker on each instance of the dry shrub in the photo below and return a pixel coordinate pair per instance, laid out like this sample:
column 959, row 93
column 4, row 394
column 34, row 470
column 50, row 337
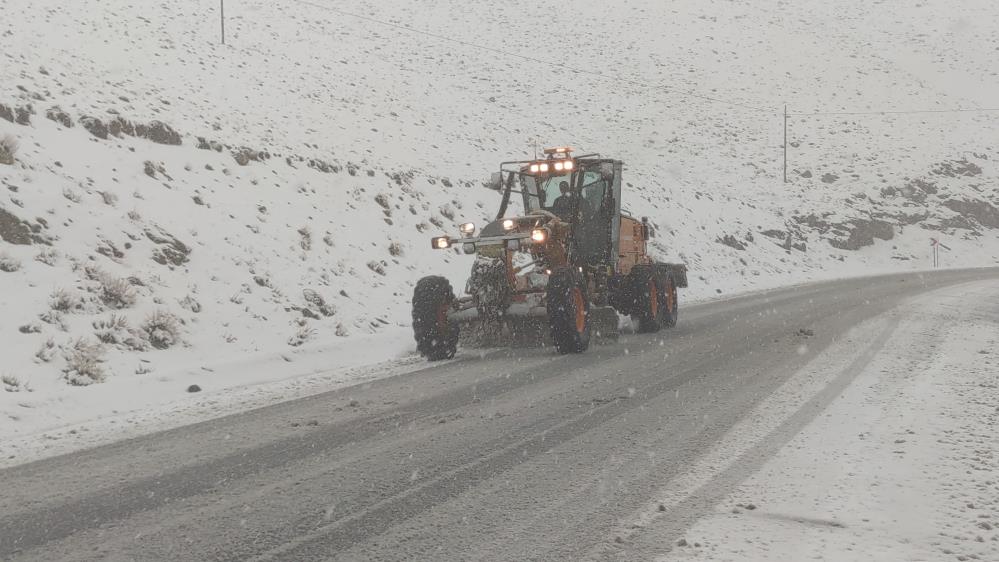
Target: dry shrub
column 47, row 351
column 161, row 329
column 65, row 301
column 9, row 264
column 84, row 364
column 117, row 292
column 48, row 256
column 8, row 149
column 11, row 383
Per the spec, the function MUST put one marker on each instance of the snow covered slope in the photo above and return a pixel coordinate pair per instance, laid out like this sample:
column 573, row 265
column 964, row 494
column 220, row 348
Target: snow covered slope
column 175, row 203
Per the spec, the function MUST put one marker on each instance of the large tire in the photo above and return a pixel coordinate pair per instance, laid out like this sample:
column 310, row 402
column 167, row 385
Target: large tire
column 669, row 298
column 568, row 311
column 436, row 336
column 650, row 310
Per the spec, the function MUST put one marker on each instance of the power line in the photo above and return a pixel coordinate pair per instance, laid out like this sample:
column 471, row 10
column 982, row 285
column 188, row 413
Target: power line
column 528, row 58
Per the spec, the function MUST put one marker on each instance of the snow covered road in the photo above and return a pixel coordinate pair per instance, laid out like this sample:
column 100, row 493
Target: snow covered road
column 620, row 453
column 901, row 465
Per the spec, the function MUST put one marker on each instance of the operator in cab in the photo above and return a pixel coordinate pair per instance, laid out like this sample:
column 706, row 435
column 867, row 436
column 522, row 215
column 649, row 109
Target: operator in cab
column 564, row 203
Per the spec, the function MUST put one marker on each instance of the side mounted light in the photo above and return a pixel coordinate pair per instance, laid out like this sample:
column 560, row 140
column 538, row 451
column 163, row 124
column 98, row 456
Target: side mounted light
column 467, row 228
column 539, row 235
column 509, row 224
column 440, row 243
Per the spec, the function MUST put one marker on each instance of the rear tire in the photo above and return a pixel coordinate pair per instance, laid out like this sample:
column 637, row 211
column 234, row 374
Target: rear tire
column 436, row 335
column 671, row 305
column 568, row 311
column 650, row 310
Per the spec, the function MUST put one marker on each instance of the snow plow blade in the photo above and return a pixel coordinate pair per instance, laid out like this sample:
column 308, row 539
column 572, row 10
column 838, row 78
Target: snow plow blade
column 526, row 326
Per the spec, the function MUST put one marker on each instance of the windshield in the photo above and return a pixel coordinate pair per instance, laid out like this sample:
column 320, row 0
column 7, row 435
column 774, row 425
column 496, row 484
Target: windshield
column 553, row 193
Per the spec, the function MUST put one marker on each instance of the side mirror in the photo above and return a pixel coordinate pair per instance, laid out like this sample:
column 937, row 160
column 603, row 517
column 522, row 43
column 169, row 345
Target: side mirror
column 495, row 182
column 647, row 231
column 607, row 171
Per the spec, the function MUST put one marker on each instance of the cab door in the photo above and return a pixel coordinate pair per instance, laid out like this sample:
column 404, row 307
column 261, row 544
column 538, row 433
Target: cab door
column 600, row 189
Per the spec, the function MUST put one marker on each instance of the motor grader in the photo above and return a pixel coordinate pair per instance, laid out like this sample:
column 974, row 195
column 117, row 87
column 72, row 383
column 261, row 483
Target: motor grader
column 559, row 273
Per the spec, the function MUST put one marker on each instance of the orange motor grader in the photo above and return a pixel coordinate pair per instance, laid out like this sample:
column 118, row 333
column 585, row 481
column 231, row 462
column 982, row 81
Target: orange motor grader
column 559, row 274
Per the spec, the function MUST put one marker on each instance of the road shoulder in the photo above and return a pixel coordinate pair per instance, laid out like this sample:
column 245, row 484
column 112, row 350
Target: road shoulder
column 901, row 466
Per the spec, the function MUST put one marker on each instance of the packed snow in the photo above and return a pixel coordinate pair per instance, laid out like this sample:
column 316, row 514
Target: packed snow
column 178, row 212
column 901, row 466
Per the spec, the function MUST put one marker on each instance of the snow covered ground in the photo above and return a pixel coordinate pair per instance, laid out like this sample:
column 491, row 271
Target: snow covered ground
column 901, row 465
column 318, row 152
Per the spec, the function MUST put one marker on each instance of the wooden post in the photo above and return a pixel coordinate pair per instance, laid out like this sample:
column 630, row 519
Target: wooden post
column 785, row 143
column 222, row 18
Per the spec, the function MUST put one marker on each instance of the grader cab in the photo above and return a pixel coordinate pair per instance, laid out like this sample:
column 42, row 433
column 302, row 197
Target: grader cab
column 559, row 274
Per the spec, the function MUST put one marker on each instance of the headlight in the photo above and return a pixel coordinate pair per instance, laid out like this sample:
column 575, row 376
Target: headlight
column 509, row 224
column 534, row 168
column 558, row 166
column 440, row 243
column 543, row 167
column 539, row 235
column 568, row 165
column 467, row 228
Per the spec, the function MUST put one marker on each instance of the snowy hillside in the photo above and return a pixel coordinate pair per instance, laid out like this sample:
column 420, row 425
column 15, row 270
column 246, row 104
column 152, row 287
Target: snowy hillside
column 174, row 204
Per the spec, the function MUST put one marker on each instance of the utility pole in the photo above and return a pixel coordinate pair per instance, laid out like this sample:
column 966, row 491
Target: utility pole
column 222, row 18
column 785, row 143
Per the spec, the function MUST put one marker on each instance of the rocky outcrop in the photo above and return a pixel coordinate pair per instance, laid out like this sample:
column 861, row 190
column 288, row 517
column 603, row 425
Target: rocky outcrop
column 169, row 250
column 14, row 230
column 982, row 212
column 862, row 232
column 158, row 132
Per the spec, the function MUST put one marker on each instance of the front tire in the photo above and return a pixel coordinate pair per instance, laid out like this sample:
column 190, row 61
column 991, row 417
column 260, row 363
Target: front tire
column 568, row 311
column 436, row 335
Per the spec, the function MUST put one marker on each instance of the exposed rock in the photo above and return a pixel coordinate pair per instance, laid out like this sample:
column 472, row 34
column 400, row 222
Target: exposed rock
column 13, row 230
column 59, row 116
column 323, row 166
column 244, row 155
column 814, row 222
column 6, row 113
column 119, row 126
column 862, row 233
column 956, row 168
column 315, row 299
column 95, row 126
column 109, row 249
column 158, row 132
column 170, row 250
column 205, row 144
column 731, row 242
column 829, row 178
column 981, row 211
column 22, row 115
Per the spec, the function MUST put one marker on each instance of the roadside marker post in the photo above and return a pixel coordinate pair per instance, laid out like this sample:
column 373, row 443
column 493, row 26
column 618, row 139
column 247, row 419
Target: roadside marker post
column 936, row 244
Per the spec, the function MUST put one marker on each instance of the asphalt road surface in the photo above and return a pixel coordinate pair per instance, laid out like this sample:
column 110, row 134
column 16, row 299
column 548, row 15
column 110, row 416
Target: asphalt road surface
column 506, row 455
